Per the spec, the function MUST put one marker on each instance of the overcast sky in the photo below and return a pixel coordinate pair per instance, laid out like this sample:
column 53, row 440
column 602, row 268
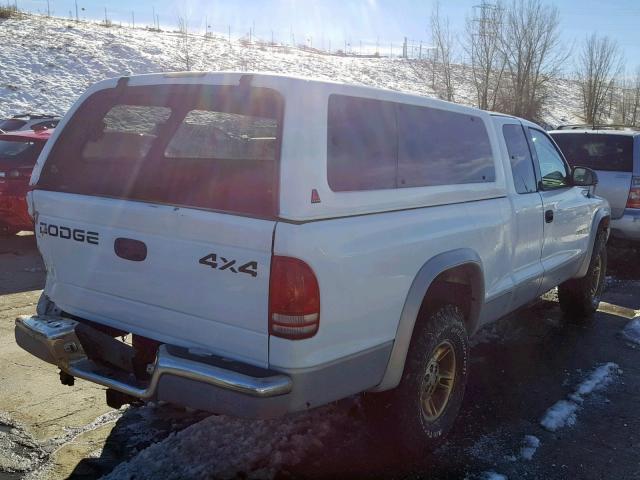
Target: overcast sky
column 321, row 22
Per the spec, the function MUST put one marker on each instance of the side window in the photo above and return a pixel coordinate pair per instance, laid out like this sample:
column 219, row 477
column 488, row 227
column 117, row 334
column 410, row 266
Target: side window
column 524, row 177
column 553, row 170
column 374, row 145
column 439, row 147
column 362, row 144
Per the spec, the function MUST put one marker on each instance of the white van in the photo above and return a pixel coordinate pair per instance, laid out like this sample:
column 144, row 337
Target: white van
column 269, row 244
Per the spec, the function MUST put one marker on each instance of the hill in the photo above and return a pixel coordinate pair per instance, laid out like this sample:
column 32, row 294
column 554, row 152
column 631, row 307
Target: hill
column 46, row 63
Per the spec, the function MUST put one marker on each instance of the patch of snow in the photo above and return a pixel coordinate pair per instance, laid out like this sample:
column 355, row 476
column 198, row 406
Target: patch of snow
column 599, row 378
column 226, row 447
column 563, row 412
column 492, row 476
column 631, row 331
column 48, row 62
column 529, row 447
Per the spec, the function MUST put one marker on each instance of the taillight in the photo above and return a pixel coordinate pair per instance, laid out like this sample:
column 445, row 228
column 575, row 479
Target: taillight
column 11, row 174
column 294, row 299
column 634, row 193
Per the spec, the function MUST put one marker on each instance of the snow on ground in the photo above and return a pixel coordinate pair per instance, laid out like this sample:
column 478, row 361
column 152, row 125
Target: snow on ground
column 225, row 447
column 529, row 446
column 563, row 413
column 46, row 63
column 492, row 476
column 631, row 331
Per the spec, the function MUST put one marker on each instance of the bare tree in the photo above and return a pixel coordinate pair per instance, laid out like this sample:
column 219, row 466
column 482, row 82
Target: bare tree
column 483, row 37
column 530, row 43
column 627, row 95
column 443, row 42
column 599, row 62
column 634, row 111
column 184, row 43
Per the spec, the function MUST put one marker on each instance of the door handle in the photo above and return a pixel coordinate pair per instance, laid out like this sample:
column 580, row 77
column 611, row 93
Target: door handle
column 548, row 216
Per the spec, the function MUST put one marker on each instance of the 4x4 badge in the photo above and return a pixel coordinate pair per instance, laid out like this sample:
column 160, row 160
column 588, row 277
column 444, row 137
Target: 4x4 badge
column 221, row 263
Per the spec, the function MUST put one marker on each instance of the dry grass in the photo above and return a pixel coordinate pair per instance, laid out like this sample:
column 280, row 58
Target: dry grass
column 9, row 11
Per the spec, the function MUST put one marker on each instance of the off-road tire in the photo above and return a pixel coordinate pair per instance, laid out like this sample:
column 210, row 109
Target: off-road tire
column 400, row 410
column 579, row 297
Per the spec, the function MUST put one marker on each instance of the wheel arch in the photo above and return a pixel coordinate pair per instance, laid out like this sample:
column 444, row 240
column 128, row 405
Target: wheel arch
column 445, row 267
column 600, row 221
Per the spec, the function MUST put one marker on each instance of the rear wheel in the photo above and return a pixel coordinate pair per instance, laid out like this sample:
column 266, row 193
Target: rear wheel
column 423, row 408
column 579, row 297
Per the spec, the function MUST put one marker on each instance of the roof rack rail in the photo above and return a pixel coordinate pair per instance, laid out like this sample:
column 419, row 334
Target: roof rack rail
column 585, row 126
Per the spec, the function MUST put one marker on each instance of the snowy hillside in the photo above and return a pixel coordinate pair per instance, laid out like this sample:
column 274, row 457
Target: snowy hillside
column 45, row 64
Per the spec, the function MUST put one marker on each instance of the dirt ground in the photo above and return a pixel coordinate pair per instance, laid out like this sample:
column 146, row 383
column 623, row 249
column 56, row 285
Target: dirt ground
column 520, row 367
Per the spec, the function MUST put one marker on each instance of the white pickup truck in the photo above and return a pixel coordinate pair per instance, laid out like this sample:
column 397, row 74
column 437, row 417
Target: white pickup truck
column 267, row 244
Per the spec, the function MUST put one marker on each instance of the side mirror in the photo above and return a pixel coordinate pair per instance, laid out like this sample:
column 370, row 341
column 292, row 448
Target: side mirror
column 584, row 177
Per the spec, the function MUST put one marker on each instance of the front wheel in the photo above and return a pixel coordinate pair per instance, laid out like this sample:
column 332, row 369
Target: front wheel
column 579, row 297
column 423, row 408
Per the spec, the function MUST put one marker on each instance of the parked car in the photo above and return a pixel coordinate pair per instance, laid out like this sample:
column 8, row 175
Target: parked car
column 273, row 244
column 614, row 153
column 29, row 121
column 18, row 154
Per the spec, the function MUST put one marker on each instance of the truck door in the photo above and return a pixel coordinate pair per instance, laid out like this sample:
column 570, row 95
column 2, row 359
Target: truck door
column 526, row 205
column 567, row 212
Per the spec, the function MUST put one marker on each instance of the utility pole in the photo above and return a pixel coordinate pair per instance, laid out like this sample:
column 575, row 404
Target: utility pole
column 105, row 15
column 77, row 18
column 153, row 16
column 48, row 9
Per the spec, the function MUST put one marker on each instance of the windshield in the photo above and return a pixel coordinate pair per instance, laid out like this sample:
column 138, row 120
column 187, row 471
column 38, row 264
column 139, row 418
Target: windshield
column 597, row 151
column 213, row 147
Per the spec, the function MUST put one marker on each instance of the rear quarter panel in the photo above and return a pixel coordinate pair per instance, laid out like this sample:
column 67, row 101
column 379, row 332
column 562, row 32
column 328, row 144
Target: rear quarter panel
column 365, row 266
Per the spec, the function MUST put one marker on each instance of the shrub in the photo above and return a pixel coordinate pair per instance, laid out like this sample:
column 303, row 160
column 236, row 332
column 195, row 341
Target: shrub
column 9, row 11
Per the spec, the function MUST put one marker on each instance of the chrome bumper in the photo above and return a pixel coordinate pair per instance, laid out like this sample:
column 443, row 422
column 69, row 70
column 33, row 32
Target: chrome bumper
column 53, row 339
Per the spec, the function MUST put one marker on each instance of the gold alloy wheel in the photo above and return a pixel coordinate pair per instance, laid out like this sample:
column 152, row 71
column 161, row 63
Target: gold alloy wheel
column 438, row 381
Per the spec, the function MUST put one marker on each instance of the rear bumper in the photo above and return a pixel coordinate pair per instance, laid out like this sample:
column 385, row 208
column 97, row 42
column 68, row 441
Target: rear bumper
column 200, row 382
column 627, row 227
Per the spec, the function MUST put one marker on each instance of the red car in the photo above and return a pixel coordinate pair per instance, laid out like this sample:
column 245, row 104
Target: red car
column 18, row 154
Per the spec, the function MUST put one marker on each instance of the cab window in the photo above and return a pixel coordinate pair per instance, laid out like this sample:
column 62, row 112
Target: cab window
column 524, row 177
column 553, row 169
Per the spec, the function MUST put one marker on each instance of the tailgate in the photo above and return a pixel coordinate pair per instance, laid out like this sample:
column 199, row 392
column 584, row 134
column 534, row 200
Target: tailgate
column 156, row 209
column 204, row 282
column 614, row 186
